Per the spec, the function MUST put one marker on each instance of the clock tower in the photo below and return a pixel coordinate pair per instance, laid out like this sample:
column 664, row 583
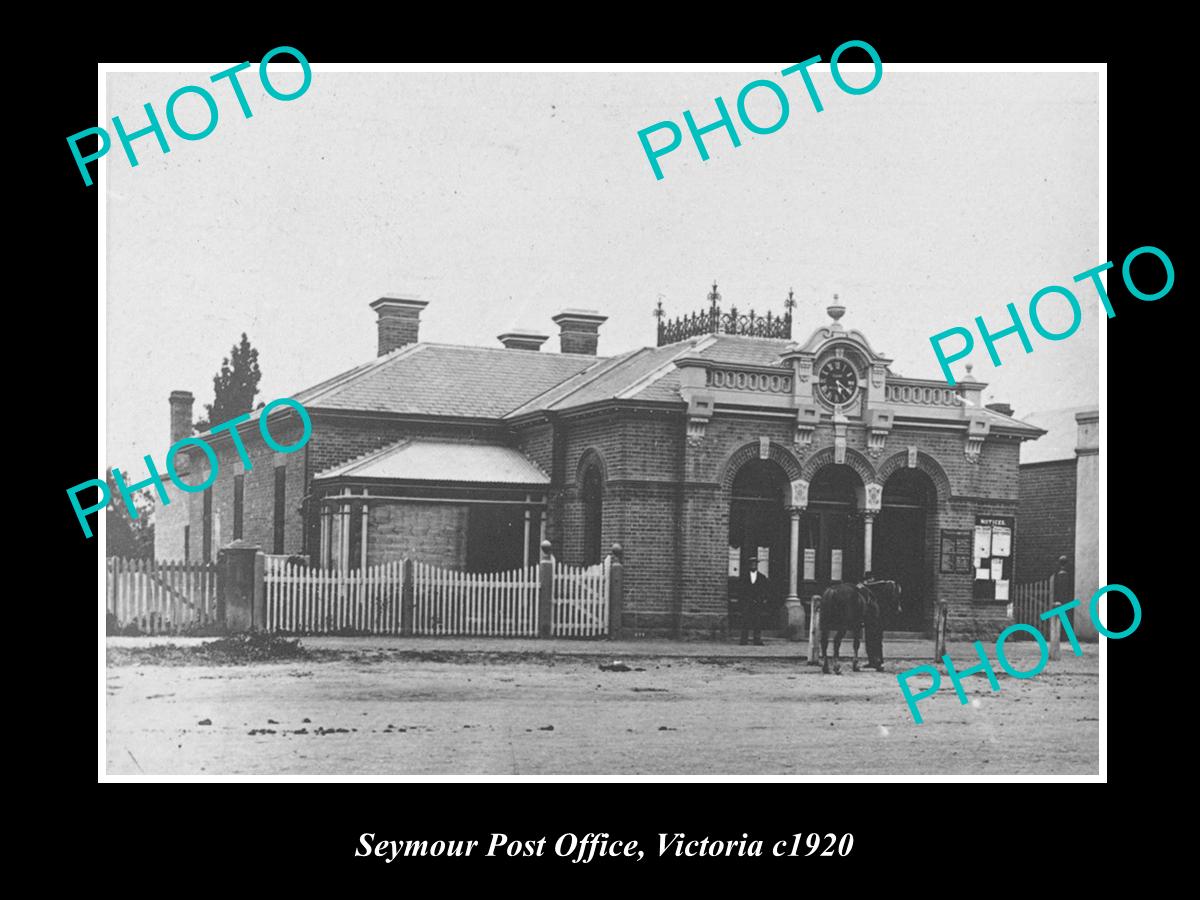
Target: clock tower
column 840, row 378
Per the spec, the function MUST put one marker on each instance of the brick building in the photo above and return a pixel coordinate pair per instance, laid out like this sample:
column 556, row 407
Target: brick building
column 727, row 439
column 1059, row 503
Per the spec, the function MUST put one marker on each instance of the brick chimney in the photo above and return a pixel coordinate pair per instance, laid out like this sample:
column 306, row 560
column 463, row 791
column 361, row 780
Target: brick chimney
column 399, row 321
column 523, row 340
column 579, row 330
column 181, row 415
column 1005, row 409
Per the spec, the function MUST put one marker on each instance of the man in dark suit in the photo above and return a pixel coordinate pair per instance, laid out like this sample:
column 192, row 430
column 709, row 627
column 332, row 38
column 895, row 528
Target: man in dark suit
column 754, row 595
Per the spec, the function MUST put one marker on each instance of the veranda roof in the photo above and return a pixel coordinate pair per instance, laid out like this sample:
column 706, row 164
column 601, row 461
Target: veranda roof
column 420, row 459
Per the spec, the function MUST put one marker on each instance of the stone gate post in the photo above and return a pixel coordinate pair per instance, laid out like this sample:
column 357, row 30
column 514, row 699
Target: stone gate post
column 240, row 567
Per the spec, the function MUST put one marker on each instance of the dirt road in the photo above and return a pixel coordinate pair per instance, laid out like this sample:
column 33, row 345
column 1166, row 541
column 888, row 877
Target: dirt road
column 402, row 712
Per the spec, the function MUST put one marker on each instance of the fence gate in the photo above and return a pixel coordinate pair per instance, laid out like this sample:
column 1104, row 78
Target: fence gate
column 580, row 607
column 1030, row 600
column 161, row 597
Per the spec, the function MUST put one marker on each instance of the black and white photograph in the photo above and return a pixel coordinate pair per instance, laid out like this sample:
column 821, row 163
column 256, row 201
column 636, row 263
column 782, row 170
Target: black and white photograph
column 510, row 421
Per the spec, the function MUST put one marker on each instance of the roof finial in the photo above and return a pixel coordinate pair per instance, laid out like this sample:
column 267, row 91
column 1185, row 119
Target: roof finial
column 790, row 303
column 714, row 297
column 836, row 311
column 658, row 310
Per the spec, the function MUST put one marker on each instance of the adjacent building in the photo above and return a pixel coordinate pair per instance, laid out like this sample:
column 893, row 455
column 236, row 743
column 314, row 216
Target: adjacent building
column 1060, row 503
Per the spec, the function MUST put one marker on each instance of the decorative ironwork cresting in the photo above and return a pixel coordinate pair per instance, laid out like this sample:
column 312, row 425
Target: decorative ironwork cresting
column 714, row 321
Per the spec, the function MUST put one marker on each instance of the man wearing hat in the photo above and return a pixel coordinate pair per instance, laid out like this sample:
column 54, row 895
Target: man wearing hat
column 754, row 594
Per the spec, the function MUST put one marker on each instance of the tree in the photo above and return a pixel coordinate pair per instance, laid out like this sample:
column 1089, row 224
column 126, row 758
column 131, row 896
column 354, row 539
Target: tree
column 126, row 536
column 234, row 386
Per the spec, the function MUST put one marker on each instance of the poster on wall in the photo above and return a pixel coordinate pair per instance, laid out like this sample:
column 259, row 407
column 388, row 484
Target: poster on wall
column 735, row 562
column 764, row 561
column 997, row 568
column 1001, row 540
column 983, row 541
column 810, row 564
column 1002, row 590
column 835, row 565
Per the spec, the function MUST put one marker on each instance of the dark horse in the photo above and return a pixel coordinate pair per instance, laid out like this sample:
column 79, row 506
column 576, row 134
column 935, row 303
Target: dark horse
column 856, row 608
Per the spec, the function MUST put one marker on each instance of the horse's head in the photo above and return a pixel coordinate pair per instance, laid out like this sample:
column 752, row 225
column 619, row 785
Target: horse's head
column 886, row 595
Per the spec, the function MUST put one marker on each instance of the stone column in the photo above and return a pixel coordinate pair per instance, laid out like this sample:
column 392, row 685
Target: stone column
column 795, row 608
column 868, row 533
column 1087, row 521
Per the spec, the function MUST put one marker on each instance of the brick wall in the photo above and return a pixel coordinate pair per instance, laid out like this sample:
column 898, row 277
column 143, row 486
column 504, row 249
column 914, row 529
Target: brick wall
column 666, row 502
column 258, row 501
column 169, row 522
column 1047, row 518
column 434, row 533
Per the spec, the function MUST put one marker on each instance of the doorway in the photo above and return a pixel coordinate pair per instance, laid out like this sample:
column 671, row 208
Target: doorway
column 901, row 548
column 831, row 530
column 759, row 526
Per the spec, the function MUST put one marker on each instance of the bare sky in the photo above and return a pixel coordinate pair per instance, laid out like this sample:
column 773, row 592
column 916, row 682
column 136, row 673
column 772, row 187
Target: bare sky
column 505, row 198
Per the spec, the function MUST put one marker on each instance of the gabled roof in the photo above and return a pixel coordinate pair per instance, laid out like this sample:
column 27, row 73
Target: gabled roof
column 650, row 373
column 421, row 459
column 447, row 380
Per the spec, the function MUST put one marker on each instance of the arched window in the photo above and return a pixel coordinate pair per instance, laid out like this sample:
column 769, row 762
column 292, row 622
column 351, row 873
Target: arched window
column 593, row 514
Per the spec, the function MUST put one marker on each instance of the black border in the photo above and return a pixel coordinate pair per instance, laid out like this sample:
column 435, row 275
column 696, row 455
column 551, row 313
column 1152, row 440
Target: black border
column 313, row 829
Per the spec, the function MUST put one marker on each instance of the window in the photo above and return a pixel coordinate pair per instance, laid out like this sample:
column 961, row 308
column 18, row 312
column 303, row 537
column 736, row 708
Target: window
column 208, row 525
column 593, row 515
column 280, row 495
column 239, row 494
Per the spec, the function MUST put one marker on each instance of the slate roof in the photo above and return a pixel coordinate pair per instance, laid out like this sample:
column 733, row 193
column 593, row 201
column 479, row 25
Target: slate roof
column 447, row 380
column 499, row 383
column 420, row 459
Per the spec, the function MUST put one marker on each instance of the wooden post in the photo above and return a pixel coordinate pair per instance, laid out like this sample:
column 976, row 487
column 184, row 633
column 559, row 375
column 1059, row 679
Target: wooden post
column 545, row 590
column 1062, row 590
column 258, row 601
column 814, row 629
column 407, row 602
column 943, row 616
column 616, row 591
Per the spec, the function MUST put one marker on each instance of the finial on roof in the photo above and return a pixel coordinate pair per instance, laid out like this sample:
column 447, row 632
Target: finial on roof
column 658, row 310
column 790, row 303
column 714, row 297
column 836, row 311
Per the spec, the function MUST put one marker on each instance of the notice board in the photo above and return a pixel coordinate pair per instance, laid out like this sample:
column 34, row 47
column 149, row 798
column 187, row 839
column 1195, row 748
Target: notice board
column 957, row 545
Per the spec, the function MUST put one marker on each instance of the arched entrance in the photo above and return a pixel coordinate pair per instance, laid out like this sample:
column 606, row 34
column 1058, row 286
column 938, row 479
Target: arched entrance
column 759, row 526
column 831, row 533
column 902, row 542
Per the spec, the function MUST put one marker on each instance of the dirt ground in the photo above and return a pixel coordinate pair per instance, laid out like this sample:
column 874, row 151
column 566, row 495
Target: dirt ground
column 369, row 707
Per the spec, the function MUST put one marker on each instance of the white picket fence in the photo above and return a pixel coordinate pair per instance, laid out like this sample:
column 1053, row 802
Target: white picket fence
column 161, row 597
column 302, row 600
column 447, row 602
column 580, row 607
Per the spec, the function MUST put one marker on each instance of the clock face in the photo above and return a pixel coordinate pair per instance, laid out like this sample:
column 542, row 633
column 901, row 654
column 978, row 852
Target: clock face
column 838, row 381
